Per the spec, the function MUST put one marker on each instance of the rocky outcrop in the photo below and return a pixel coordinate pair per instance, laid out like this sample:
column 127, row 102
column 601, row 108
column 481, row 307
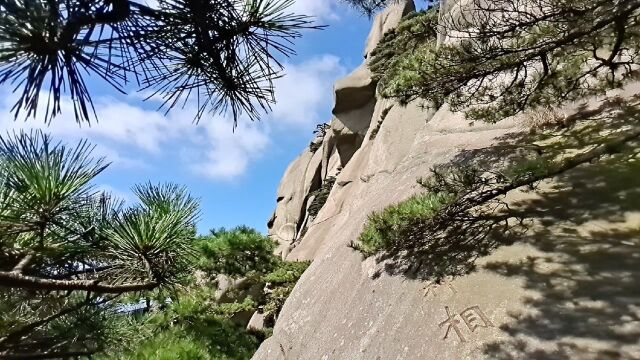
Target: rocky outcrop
column 567, row 289
column 333, row 148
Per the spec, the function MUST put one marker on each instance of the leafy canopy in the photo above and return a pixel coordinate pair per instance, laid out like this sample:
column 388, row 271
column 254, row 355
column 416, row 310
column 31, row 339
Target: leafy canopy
column 204, row 320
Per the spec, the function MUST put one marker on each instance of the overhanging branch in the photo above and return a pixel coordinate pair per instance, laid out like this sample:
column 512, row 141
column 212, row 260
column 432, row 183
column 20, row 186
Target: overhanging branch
column 14, row 280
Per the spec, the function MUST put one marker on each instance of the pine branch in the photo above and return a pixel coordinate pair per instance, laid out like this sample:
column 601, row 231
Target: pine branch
column 608, row 148
column 26, row 329
column 13, row 280
column 19, row 268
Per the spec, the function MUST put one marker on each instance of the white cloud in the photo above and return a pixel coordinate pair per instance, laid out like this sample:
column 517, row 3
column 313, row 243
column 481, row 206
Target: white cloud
column 121, row 125
column 133, row 136
column 230, row 153
column 306, row 90
column 321, row 9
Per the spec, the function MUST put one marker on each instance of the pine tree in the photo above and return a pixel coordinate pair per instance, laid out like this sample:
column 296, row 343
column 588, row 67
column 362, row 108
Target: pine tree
column 222, row 54
column 506, row 56
column 493, row 60
column 68, row 251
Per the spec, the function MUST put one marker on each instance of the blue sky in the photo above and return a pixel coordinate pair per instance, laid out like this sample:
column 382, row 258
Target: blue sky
column 235, row 174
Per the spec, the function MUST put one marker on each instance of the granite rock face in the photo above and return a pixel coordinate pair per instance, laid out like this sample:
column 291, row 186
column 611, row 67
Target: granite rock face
column 333, row 148
column 569, row 288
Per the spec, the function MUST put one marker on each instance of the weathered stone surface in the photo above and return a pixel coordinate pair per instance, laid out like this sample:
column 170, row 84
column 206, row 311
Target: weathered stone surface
column 256, row 322
column 349, row 129
column 230, row 290
column 301, row 177
column 354, row 91
column 357, row 89
column 567, row 289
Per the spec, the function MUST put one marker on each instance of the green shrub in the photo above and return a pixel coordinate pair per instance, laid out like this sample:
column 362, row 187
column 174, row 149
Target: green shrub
column 228, row 310
column 281, row 281
column 383, row 116
column 192, row 327
column 237, row 252
column 275, row 302
column 416, row 32
column 321, row 196
column 287, row 272
column 389, row 228
column 210, row 338
column 195, row 325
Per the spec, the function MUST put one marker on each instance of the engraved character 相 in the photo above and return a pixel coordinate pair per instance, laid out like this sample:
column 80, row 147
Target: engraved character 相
column 452, row 323
column 475, row 318
column 472, row 316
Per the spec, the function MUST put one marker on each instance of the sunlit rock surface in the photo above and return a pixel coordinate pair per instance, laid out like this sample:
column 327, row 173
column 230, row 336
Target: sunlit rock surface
column 566, row 289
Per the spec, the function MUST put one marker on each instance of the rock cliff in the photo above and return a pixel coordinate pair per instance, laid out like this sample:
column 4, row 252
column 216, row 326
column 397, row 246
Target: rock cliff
column 566, row 289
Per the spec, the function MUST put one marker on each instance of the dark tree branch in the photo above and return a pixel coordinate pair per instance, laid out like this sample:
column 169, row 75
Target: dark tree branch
column 120, row 12
column 607, row 148
column 89, row 270
column 21, row 266
column 26, row 329
column 14, row 280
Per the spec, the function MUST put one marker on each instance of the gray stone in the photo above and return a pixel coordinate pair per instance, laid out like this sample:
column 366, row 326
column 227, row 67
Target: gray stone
column 568, row 289
column 256, row 322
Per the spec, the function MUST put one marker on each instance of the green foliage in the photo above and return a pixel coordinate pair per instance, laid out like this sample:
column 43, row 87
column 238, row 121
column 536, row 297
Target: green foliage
column 169, row 345
column 505, row 59
column 319, row 132
column 320, row 196
column 238, row 252
column 369, row 7
column 389, row 228
column 214, row 52
column 287, row 272
column 193, row 326
column 67, row 251
column 281, row 282
column 417, row 30
column 275, row 301
column 206, row 338
column 229, row 310
column 383, row 116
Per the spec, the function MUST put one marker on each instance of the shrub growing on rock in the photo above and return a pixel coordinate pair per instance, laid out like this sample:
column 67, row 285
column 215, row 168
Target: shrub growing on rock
column 390, row 227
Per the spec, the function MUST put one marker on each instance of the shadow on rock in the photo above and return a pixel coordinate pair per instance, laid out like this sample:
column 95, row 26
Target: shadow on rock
column 588, row 280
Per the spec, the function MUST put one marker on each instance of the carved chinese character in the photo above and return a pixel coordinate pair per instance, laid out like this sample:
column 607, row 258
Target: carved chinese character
column 472, row 316
column 475, row 318
column 432, row 287
column 452, row 323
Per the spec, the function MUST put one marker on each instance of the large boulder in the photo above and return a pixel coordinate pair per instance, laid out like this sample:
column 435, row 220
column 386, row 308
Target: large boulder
column 301, row 177
column 566, row 289
column 355, row 99
column 357, row 89
column 330, row 151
